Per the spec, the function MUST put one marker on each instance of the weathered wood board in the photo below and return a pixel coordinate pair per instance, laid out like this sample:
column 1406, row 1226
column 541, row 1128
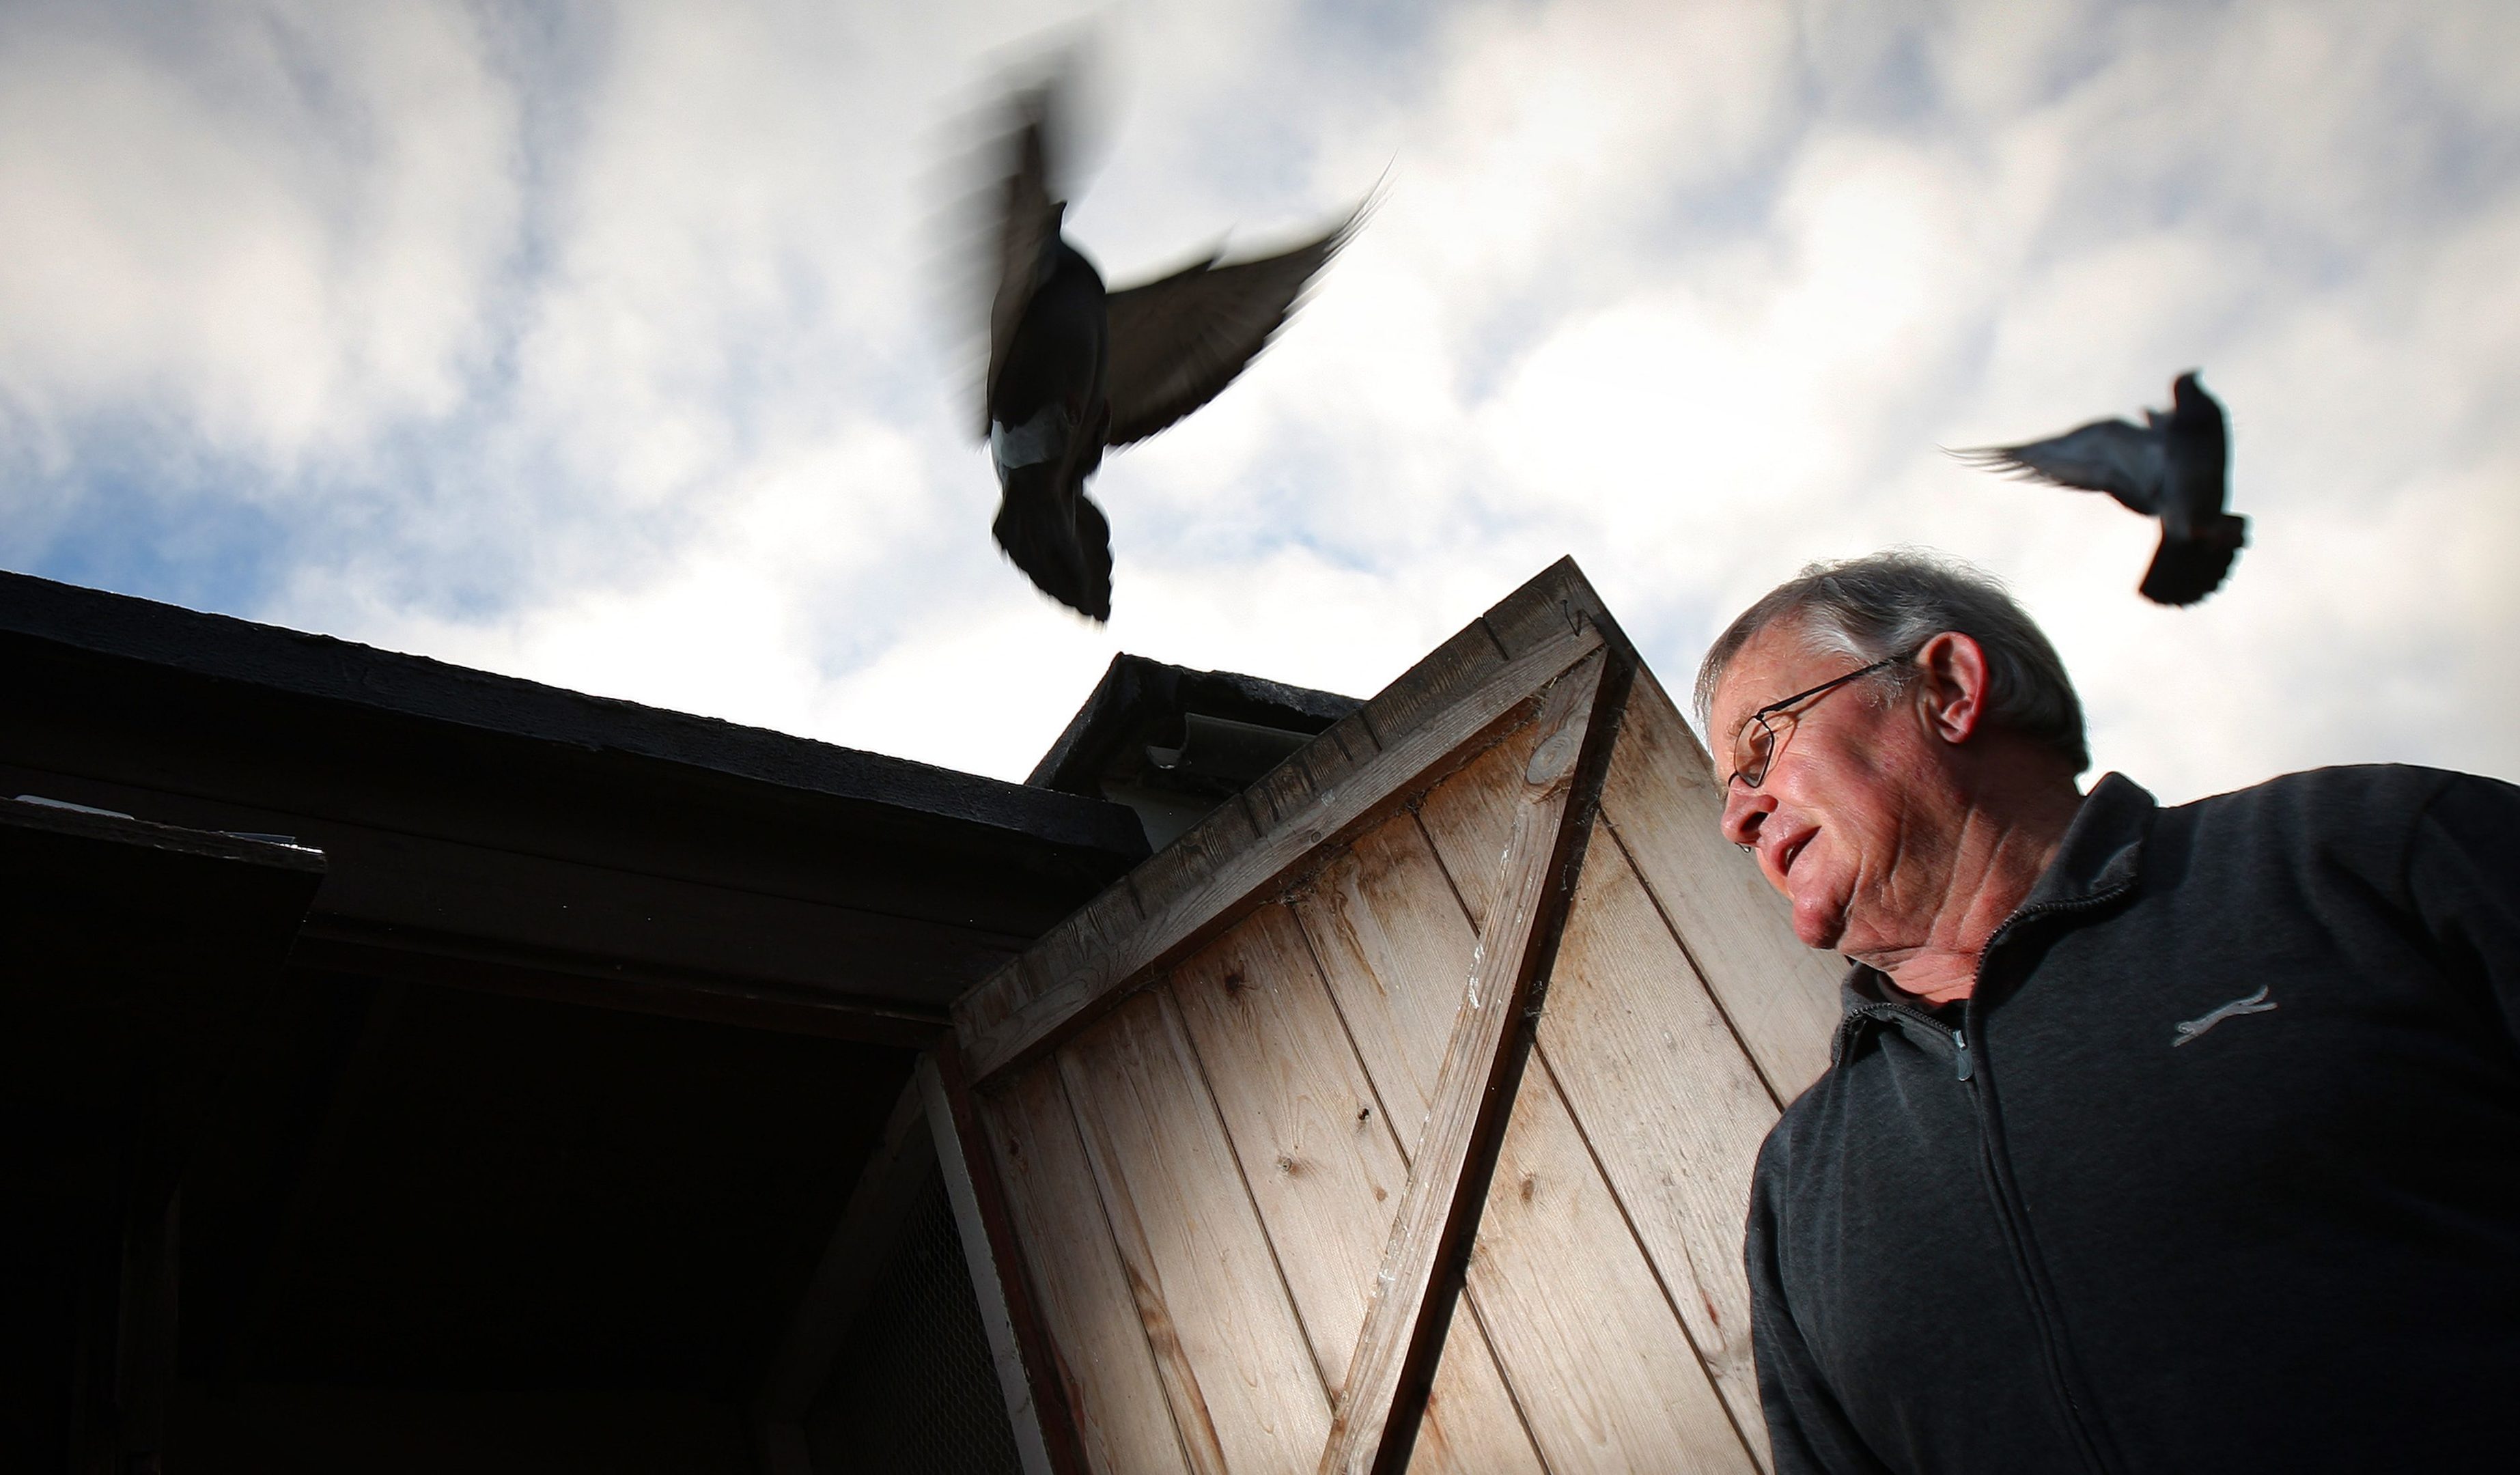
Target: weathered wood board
column 1326, row 1168
column 1104, row 1353
column 1663, row 801
column 1228, row 1338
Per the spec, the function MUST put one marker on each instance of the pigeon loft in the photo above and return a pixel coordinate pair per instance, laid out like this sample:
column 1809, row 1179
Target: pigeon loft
column 1399, row 1112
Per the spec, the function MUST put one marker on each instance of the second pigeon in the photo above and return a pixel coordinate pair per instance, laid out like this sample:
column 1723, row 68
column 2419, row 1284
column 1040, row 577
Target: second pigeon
column 2173, row 466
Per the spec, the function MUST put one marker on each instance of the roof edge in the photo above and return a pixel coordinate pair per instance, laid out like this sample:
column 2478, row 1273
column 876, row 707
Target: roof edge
column 325, row 668
column 1113, row 703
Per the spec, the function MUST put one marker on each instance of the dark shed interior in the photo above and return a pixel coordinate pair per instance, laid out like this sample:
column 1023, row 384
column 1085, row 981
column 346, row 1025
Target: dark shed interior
column 414, row 1068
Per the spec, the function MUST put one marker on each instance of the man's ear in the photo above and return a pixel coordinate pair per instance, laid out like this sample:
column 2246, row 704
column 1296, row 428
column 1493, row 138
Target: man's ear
column 1952, row 686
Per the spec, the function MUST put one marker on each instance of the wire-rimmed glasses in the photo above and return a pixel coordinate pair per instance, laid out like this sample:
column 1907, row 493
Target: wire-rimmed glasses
column 1764, row 732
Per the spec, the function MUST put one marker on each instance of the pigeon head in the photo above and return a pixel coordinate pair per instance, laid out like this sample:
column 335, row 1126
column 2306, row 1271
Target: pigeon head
column 2185, row 393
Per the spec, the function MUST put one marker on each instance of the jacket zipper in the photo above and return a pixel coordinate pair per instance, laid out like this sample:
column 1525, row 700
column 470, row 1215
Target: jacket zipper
column 2016, row 1232
column 2016, row 1238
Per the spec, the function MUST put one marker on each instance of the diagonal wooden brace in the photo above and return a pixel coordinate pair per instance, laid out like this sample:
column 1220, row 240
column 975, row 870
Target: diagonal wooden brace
column 1376, row 1423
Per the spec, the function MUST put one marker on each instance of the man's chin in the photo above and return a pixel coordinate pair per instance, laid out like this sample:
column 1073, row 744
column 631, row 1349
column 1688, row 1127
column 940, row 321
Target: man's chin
column 1819, row 922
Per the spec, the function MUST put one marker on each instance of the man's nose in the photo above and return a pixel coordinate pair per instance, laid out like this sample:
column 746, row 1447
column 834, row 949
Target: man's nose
column 1745, row 810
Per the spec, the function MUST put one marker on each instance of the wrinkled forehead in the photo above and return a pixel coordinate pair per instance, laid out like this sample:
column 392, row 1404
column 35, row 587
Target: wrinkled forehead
column 1782, row 658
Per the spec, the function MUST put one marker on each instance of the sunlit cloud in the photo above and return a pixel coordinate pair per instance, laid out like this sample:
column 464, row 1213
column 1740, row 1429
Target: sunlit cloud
column 607, row 349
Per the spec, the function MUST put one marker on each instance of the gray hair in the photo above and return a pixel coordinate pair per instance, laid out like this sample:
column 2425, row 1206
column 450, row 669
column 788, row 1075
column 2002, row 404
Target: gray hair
column 1888, row 603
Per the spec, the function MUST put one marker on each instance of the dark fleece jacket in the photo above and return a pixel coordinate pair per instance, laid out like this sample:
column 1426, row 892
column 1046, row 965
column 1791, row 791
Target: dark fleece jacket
column 2218, row 1170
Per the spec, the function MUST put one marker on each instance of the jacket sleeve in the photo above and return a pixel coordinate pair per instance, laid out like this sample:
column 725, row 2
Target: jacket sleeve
column 1808, row 1432
column 2462, row 878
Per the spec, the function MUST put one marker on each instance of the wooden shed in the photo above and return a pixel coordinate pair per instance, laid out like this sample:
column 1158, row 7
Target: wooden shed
column 423, row 1069
column 1399, row 1112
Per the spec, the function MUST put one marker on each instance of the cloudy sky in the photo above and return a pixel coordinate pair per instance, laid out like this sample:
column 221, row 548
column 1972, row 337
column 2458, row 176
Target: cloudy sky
column 602, row 344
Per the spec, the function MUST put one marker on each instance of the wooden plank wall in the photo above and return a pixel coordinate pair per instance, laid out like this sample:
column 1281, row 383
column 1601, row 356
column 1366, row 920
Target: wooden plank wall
column 1447, row 706
column 1596, row 1307
column 1205, row 1178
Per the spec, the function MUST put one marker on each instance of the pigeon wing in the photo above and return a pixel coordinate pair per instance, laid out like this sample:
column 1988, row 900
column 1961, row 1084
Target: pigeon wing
column 1176, row 341
column 1027, row 222
column 2109, row 456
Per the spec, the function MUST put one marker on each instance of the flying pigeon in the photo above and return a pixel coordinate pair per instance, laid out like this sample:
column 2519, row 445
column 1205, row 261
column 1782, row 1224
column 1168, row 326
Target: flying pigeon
column 1074, row 368
column 2173, row 467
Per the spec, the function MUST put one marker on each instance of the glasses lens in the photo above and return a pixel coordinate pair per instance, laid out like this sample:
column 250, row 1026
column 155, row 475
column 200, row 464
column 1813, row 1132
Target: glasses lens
column 1752, row 747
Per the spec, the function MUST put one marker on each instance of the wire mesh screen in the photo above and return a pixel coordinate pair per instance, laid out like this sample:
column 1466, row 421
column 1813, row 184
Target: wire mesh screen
column 913, row 1390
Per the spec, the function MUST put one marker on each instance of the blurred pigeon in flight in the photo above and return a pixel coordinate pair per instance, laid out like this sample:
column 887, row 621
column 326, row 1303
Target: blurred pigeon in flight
column 2173, row 467
column 1074, row 368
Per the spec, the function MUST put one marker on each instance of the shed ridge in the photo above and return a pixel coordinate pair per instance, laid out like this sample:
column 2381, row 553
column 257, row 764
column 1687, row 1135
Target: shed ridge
column 1473, row 689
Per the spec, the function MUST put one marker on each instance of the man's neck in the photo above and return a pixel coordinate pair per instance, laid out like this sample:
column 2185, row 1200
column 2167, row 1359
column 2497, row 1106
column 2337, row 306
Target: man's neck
column 2005, row 843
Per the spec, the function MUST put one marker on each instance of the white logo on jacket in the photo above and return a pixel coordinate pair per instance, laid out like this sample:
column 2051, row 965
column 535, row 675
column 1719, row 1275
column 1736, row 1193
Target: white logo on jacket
column 2189, row 1029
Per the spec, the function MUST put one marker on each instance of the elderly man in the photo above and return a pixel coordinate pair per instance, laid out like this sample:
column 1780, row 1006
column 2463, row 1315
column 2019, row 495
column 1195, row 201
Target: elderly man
column 2153, row 1139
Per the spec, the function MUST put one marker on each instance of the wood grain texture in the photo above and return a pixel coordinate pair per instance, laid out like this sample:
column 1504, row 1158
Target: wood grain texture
column 1243, row 1213
column 1192, row 888
column 1327, row 1170
column 1647, row 1063
column 1227, row 1339
column 1469, row 817
column 1471, row 1425
column 994, row 999
column 1303, row 1120
column 1671, row 1108
column 1075, row 948
column 1189, row 865
column 1648, row 1044
column 1612, row 1384
column 1555, row 1302
column 1396, row 948
column 1279, row 796
column 1664, row 803
column 1419, row 695
column 1473, row 1099
column 1556, row 601
column 1106, row 1369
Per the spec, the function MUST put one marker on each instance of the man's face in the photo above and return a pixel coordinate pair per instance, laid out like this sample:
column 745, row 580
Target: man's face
column 1843, row 824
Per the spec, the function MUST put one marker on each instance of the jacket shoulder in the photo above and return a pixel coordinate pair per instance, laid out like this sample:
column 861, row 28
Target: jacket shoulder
column 2349, row 801
column 2361, row 818
column 2344, row 791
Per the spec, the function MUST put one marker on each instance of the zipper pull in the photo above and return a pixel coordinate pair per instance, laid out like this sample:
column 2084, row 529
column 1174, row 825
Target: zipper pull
column 1959, row 1043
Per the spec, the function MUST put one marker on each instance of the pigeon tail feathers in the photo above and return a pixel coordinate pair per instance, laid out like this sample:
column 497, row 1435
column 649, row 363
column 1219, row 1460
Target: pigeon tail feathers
column 2184, row 571
column 1061, row 543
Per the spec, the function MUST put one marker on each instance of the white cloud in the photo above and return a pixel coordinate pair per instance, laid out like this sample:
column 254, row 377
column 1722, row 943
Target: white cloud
column 274, row 227
column 606, row 352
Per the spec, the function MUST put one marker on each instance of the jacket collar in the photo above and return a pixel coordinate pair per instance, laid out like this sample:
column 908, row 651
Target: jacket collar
column 2103, row 851
column 2101, row 860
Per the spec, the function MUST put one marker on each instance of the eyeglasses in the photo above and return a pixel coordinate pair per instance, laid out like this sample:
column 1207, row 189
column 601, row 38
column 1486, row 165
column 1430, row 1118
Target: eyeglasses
column 1764, row 732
